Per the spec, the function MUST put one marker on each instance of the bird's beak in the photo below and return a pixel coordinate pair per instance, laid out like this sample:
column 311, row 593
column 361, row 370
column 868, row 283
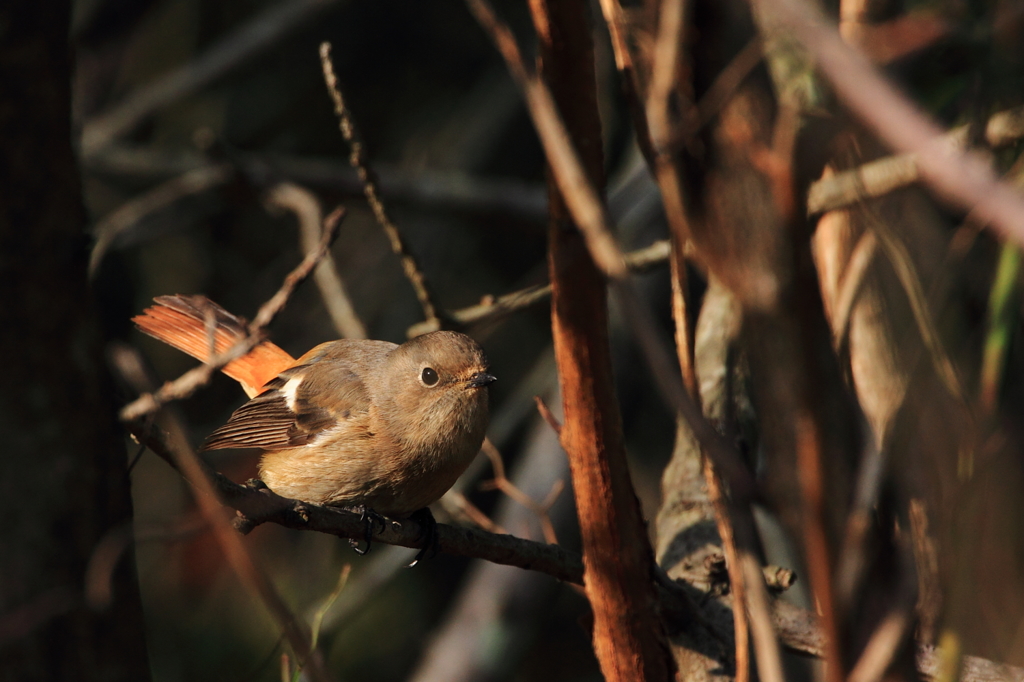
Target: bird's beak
column 481, row 379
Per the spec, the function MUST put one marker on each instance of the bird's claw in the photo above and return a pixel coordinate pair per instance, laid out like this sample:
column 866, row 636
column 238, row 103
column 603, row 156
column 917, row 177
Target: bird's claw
column 430, row 544
column 369, row 517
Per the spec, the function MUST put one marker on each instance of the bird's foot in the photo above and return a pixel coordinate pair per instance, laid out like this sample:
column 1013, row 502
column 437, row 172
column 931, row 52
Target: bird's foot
column 369, row 517
column 428, row 523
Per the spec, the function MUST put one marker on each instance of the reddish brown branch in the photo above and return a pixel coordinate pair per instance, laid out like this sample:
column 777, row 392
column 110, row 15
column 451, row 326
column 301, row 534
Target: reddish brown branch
column 628, row 637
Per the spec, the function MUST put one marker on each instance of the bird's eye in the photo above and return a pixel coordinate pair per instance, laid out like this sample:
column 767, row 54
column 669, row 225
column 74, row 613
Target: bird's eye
column 428, row 376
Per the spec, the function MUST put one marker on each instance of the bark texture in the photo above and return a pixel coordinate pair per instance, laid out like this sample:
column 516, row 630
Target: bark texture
column 618, row 560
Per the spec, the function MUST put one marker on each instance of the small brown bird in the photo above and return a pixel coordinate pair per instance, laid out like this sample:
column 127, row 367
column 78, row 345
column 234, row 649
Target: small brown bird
column 352, row 423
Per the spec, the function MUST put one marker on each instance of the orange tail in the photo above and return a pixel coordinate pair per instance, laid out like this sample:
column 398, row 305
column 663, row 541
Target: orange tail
column 180, row 321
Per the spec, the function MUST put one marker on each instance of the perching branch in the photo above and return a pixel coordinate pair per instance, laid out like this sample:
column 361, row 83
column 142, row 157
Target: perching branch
column 256, row 506
column 797, row 628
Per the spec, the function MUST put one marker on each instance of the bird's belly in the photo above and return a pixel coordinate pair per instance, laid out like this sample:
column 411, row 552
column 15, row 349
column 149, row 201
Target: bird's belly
column 395, row 485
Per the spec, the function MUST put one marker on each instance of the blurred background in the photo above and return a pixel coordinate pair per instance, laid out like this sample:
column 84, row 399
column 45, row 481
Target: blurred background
column 213, row 104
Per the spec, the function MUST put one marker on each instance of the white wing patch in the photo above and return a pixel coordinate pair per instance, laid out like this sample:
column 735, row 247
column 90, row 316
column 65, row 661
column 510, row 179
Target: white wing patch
column 290, row 389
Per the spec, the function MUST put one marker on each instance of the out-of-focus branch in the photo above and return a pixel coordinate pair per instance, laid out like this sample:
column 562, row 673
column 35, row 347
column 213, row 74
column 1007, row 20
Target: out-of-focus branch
column 358, row 159
column 232, row 51
column 851, row 284
column 432, row 188
column 964, row 178
column 797, row 628
column 628, row 76
column 199, row 376
column 120, row 221
column 882, row 176
column 307, row 210
column 799, row 631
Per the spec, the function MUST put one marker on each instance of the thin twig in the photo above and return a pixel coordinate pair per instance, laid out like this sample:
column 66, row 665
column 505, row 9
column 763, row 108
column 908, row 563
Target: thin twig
column 501, row 482
column 641, row 260
column 766, row 640
column 579, row 194
column 547, row 415
column 361, row 163
column 1000, row 321
column 666, row 57
column 737, row 581
column 248, row 41
column 727, row 82
column 454, row 501
column 307, row 210
column 197, row 377
column 685, row 335
column 628, row 76
column 884, row 644
column 881, row 648
column 810, row 475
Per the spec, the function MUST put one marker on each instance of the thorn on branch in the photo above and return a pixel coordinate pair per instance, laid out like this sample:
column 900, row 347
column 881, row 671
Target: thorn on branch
column 547, row 415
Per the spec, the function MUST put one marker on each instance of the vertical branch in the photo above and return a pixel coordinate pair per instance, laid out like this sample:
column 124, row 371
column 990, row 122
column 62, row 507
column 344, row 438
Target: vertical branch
column 685, row 340
column 737, row 582
column 309, row 215
column 618, row 560
column 628, row 76
column 664, row 83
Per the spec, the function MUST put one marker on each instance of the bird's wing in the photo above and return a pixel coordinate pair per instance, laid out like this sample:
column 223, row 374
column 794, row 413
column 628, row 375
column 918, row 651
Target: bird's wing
column 298, row 405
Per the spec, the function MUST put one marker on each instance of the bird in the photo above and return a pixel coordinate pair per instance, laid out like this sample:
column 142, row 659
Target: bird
column 381, row 428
